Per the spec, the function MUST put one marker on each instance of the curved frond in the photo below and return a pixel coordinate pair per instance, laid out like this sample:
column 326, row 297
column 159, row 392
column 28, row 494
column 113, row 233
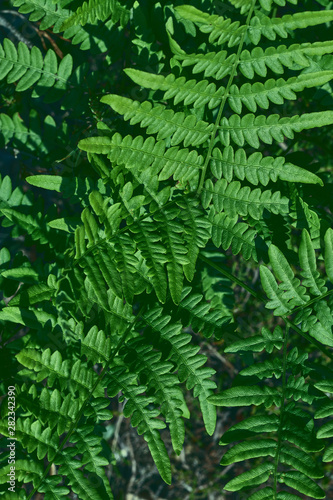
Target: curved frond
column 142, row 417
column 162, row 384
column 54, row 368
column 187, row 360
column 197, row 313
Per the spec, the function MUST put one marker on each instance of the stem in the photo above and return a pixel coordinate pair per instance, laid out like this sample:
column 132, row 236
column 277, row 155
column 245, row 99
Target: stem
column 284, row 380
column 225, row 96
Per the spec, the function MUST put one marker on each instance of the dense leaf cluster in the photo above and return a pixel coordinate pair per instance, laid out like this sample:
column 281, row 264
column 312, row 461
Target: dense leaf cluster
column 166, row 134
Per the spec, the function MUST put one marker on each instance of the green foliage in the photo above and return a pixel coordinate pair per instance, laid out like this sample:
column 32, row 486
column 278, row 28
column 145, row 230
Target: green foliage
column 27, row 68
column 182, row 147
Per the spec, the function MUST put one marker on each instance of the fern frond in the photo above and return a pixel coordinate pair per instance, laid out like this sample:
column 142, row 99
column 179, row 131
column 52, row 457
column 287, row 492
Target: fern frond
column 141, row 416
column 180, row 89
column 220, row 30
column 289, row 448
column 80, row 484
column 197, row 231
column 149, row 242
column 237, row 200
column 195, row 312
column 270, row 28
column 97, row 10
column 257, row 168
column 189, row 363
column 176, row 251
column 308, row 263
column 256, row 343
column 45, row 11
column 32, row 471
column 161, row 383
column 276, row 91
column 28, row 68
column 217, row 290
column 34, row 437
column 243, row 5
column 88, row 444
column 252, row 129
column 28, row 317
column 229, row 232
column 219, row 64
column 10, row 197
column 139, row 154
column 164, row 122
column 289, row 293
column 55, row 368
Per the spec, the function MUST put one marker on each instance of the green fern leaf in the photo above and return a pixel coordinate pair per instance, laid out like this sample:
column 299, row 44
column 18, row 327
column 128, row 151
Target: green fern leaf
column 95, row 10
column 256, row 168
column 162, row 383
column 237, row 200
column 247, row 395
column 252, row 129
column 277, row 301
column 164, row 122
column 301, row 483
column 43, row 10
column 229, row 232
column 28, row 68
column 34, row 437
column 197, row 232
column 250, row 449
column 139, row 154
column 249, row 427
column 171, row 232
column 180, row 89
column 53, row 367
column 53, row 409
column 254, row 477
column 276, row 91
column 298, row 459
column 262, row 25
column 79, row 483
column 148, row 241
column 141, row 417
column 194, row 312
column 308, row 263
column 189, row 363
column 219, row 64
column 329, row 254
column 220, row 30
column 257, row 343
